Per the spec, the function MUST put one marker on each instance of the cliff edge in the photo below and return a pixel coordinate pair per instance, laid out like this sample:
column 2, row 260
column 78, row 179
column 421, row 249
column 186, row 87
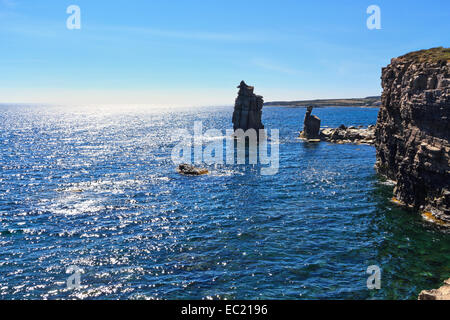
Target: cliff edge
column 413, row 131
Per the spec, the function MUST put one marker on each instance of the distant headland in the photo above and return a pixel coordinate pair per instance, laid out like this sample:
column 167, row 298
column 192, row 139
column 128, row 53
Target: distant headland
column 368, row 102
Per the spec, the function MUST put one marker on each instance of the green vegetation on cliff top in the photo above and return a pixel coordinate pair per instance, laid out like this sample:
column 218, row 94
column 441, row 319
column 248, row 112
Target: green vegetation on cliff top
column 429, row 55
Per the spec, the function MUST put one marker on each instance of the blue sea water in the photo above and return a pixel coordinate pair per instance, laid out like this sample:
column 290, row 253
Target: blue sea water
column 96, row 188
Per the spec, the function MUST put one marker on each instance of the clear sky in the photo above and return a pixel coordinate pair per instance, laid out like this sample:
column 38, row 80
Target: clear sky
column 192, row 52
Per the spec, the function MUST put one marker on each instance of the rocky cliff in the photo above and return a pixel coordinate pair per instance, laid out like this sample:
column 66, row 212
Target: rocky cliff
column 247, row 109
column 413, row 130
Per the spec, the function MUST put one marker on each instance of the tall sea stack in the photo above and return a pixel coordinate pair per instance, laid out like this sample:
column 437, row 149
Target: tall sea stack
column 247, row 109
column 413, row 130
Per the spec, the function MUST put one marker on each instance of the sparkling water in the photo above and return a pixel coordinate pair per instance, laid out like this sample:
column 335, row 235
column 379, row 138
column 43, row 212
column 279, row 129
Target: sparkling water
column 95, row 187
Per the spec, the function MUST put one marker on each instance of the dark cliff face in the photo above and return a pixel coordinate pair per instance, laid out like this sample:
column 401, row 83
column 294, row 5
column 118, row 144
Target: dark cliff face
column 413, row 130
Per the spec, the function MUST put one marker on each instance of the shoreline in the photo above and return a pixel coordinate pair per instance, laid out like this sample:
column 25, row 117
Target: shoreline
column 368, row 102
column 321, row 107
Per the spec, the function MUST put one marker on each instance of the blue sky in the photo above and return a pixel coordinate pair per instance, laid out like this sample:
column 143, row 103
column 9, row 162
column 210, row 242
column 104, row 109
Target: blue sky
column 193, row 52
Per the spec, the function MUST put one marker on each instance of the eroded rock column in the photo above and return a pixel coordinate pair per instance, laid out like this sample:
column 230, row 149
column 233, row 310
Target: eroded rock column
column 247, row 109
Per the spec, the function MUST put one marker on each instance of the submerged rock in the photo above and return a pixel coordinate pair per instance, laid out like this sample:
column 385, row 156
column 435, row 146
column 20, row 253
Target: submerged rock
column 247, row 109
column 342, row 134
column 190, row 170
column 443, row 293
column 311, row 126
column 413, row 130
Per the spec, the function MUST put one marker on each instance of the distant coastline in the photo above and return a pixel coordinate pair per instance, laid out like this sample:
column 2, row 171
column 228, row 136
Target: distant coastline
column 368, row 102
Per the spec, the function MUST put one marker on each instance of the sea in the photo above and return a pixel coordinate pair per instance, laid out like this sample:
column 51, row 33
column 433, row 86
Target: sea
column 92, row 207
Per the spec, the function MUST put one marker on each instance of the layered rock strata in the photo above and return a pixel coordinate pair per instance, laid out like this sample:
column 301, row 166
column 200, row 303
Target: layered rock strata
column 413, row 130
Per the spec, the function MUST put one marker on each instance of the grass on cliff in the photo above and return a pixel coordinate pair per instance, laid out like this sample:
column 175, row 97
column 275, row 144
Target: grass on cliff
column 430, row 55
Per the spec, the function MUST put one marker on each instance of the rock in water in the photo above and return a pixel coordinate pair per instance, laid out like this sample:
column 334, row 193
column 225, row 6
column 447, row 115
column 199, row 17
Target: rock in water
column 311, row 126
column 443, row 293
column 189, row 170
column 413, row 130
column 349, row 135
column 247, row 109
